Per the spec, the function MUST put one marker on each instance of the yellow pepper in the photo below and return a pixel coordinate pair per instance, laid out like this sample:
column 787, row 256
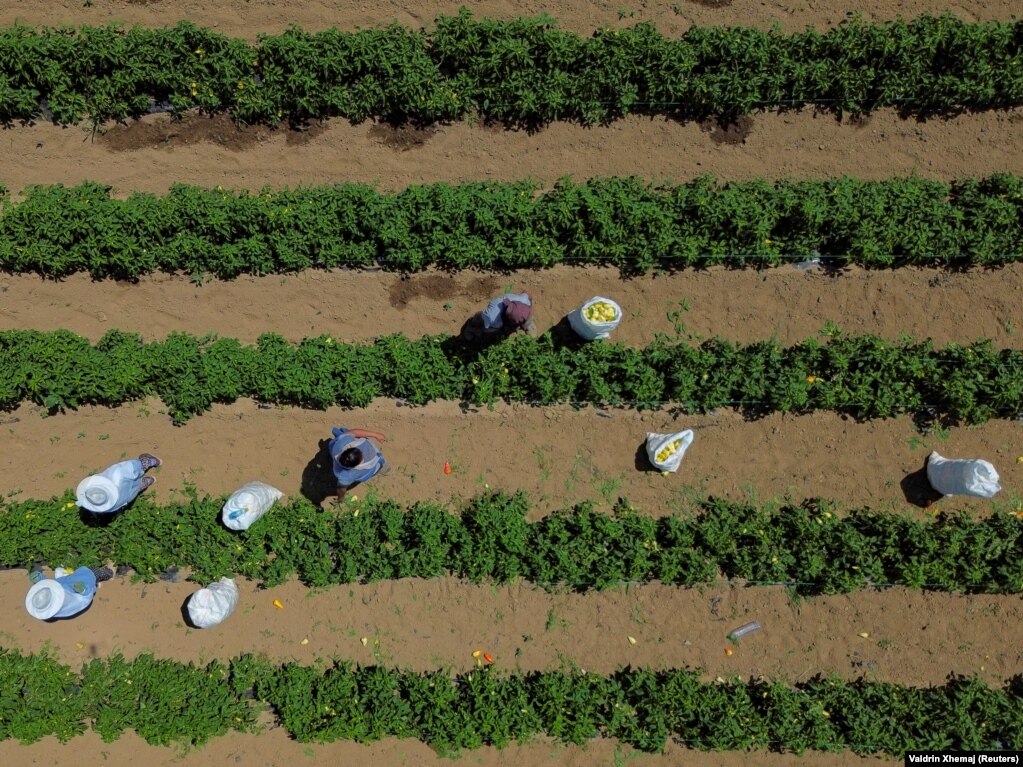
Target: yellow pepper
column 600, row 312
column 668, row 450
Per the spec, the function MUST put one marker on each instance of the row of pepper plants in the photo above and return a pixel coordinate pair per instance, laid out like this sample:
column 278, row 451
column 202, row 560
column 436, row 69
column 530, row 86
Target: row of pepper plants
column 865, row 376
column 167, row 702
column 815, row 547
column 521, row 71
column 633, row 224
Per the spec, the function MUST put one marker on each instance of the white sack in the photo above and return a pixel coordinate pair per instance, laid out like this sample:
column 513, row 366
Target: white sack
column 962, row 477
column 209, row 606
column 657, row 442
column 248, row 503
column 591, row 329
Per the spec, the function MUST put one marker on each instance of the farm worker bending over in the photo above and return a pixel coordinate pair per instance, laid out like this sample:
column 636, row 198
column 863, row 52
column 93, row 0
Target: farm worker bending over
column 117, row 486
column 356, row 459
column 504, row 315
column 65, row 594
column 510, row 312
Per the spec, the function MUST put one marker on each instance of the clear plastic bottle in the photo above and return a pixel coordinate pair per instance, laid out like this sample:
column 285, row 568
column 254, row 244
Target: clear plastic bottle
column 742, row 631
column 805, row 266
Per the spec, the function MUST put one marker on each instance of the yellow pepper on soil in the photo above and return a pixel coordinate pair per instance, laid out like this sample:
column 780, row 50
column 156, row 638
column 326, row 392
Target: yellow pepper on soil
column 600, row 312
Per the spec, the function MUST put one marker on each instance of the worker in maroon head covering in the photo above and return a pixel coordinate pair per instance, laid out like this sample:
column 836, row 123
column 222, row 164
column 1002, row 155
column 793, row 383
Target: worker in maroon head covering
column 504, row 315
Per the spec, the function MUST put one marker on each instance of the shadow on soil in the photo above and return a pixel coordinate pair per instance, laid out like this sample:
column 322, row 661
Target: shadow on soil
column 642, row 460
column 918, row 490
column 318, row 482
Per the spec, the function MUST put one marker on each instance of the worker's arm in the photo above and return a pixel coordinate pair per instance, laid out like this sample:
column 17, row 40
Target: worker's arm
column 367, row 433
column 492, row 319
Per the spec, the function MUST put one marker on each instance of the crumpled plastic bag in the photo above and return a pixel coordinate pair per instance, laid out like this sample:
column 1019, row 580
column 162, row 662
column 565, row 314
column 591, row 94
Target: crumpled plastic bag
column 248, row 503
column 209, row 606
column 962, row 477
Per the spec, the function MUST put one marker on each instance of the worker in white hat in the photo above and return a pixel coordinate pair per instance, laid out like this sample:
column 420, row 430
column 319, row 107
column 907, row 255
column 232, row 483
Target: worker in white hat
column 63, row 595
column 116, row 486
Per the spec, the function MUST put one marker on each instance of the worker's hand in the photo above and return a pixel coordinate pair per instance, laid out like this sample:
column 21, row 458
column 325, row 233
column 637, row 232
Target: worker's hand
column 367, row 433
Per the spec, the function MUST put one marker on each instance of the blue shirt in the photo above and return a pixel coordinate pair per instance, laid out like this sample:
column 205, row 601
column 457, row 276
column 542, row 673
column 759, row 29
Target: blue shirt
column 493, row 315
column 127, row 475
column 372, row 458
column 76, row 601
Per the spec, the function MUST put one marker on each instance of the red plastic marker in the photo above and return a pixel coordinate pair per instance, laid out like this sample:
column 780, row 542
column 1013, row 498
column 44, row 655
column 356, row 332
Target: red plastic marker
column 447, row 467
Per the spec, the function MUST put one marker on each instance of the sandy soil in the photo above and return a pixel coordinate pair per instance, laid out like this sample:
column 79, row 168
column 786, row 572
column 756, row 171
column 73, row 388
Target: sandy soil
column 915, row 637
column 275, row 749
column 561, row 456
column 740, row 305
column 154, row 153
column 247, row 18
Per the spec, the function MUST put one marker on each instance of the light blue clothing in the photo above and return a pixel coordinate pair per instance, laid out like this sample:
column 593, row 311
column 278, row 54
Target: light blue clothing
column 127, row 476
column 493, row 315
column 372, row 459
column 76, row 601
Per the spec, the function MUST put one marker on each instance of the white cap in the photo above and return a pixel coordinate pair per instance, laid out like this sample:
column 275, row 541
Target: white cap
column 97, row 493
column 45, row 599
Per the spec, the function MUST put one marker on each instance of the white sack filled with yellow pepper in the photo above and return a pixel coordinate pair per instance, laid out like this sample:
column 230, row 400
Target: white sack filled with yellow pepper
column 666, row 451
column 596, row 318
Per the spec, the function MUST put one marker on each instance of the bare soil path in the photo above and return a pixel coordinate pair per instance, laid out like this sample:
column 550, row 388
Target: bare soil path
column 247, row 18
column 557, row 455
column 356, row 306
column 156, row 152
column 275, row 749
column 914, row 638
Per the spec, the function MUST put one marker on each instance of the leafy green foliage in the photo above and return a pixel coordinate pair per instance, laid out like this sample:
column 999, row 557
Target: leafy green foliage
column 39, row 697
column 522, row 71
column 807, row 545
column 57, row 230
column 865, row 376
column 167, row 702
column 163, row 701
